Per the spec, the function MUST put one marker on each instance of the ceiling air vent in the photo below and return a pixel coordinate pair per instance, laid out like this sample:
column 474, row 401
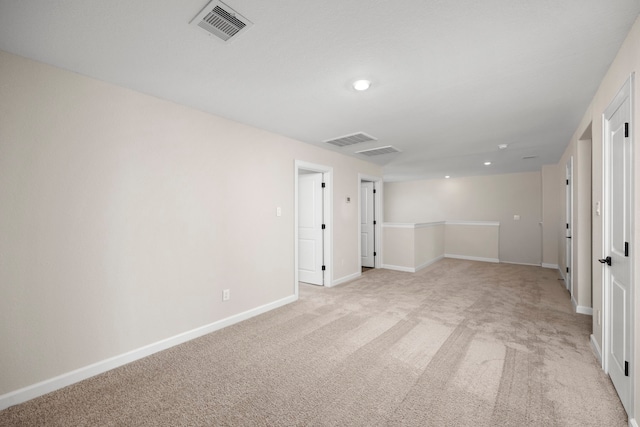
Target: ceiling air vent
column 529, row 157
column 379, row 151
column 220, row 20
column 355, row 138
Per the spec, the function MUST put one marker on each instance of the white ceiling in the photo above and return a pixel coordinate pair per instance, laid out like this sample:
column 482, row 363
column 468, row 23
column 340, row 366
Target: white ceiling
column 450, row 79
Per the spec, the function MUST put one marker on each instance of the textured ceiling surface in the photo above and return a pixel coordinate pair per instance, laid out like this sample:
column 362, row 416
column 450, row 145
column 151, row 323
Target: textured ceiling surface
column 451, row 80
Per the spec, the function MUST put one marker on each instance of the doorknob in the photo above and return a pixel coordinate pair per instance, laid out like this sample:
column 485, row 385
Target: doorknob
column 607, row 260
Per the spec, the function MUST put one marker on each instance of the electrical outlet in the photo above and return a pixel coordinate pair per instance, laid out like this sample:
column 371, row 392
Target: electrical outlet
column 226, row 294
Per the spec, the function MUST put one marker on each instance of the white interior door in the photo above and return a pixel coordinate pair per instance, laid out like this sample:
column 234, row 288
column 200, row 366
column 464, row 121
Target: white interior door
column 569, row 227
column 367, row 228
column 617, row 261
column 310, row 233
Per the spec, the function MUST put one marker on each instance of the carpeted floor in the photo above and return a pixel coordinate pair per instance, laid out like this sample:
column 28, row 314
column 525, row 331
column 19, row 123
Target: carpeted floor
column 460, row 343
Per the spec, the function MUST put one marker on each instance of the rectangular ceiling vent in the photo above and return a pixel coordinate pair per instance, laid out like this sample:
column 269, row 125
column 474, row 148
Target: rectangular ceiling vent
column 355, row 138
column 379, row 151
column 219, row 20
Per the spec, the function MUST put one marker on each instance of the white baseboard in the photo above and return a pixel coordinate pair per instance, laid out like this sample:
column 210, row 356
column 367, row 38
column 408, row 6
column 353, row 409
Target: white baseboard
column 596, row 349
column 584, row 310
column 428, row 263
column 632, row 422
column 431, row 261
column 399, row 268
column 552, row 266
column 345, row 279
column 581, row 309
column 520, row 263
column 472, row 258
column 52, row 384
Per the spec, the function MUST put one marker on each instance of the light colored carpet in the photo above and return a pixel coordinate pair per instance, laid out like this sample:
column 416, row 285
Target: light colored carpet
column 458, row 344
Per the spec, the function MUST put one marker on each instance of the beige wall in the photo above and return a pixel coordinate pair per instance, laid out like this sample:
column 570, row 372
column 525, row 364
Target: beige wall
column 478, row 241
column 483, row 198
column 399, row 247
column 125, row 216
column 627, row 62
column 582, row 206
column 551, row 217
column 411, row 247
column 430, row 244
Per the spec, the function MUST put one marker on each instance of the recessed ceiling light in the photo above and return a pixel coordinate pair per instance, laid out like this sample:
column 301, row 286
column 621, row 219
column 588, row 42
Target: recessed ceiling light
column 447, row 176
column 487, row 163
column 502, row 146
column 361, row 85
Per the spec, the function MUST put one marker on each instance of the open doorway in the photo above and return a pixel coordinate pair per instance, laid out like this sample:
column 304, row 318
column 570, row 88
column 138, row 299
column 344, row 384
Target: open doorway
column 313, row 224
column 370, row 215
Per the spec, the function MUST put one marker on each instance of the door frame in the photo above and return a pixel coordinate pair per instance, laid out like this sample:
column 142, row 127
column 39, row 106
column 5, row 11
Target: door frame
column 327, row 172
column 378, row 212
column 627, row 88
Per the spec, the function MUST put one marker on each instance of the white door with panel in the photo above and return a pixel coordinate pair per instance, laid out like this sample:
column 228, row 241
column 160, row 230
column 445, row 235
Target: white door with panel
column 310, row 231
column 367, row 226
column 617, row 261
column 569, row 227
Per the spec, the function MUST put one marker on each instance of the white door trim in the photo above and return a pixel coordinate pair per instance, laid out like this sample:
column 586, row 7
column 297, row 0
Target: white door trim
column 378, row 198
column 625, row 90
column 328, row 218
